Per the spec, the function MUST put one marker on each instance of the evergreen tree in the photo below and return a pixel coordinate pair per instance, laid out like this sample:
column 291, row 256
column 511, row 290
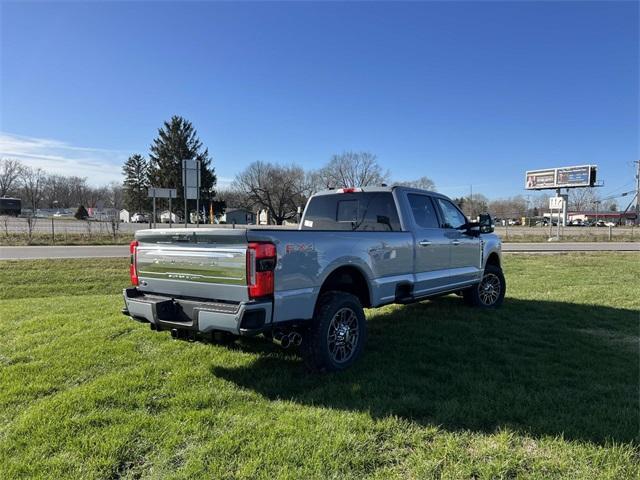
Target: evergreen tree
column 136, row 182
column 177, row 140
column 81, row 213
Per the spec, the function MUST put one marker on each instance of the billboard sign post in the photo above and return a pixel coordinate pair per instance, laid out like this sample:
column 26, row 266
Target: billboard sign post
column 155, row 192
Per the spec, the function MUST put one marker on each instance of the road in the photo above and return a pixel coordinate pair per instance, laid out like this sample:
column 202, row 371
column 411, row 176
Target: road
column 24, row 253
column 571, row 247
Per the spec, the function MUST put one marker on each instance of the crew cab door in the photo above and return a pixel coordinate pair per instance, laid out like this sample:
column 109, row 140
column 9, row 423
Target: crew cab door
column 431, row 246
column 465, row 249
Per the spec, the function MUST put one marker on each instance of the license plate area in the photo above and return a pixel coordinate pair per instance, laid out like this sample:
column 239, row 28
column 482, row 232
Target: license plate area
column 172, row 311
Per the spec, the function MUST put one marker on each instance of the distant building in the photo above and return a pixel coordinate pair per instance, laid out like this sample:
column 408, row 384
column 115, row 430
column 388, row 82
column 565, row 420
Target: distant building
column 125, row 216
column 239, row 216
column 607, row 216
column 592, row 216
column 164, row 217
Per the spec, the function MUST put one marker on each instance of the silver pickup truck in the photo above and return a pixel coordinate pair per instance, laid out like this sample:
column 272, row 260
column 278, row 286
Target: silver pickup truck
column 355, row 248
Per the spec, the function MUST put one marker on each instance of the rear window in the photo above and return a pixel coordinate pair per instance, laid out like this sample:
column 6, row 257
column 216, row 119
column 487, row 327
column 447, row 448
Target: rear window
column 361, row 211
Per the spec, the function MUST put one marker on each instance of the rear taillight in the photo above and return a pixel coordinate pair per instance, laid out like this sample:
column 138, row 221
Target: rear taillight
column 133, row 273
column 261, row 262
column 349, row 190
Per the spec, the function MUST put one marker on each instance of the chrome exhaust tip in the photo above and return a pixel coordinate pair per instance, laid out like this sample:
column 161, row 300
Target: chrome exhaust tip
column 295, row 339
column 281, row 340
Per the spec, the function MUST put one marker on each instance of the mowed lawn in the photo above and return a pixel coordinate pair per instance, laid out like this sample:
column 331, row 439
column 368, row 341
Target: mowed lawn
column 546, row 387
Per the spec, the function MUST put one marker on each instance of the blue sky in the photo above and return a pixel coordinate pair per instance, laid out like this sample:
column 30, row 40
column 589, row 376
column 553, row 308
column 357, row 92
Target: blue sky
column 465, row 93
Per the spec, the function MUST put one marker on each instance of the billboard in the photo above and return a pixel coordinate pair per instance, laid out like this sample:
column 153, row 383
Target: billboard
column 574, row 177
column 563, row 177
column 541, row 179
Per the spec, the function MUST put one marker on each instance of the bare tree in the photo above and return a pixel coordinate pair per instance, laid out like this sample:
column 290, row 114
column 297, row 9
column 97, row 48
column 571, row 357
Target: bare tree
column 234, row 198
column 424, row 183
column 278, row 189
column 65, row 192
column 513, row 207
column 541, row 203
column 78, row 190
column 611, row 206
column 350, row 169
column 116, row 195
column 581, row 199
column 474, row 205
column 54, row 193
column 10, row 172
column 31, row 225
column 33, row 182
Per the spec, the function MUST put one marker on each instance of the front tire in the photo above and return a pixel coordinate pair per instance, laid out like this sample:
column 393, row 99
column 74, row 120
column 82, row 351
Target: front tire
column 337, row 335
column 489, row 293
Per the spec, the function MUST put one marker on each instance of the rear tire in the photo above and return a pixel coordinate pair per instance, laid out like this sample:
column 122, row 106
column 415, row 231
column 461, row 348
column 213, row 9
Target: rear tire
column 336, row 338
column 489, row 293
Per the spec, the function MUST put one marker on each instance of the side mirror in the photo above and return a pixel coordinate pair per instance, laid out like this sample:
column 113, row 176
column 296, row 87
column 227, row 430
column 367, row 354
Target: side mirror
column 486, row 224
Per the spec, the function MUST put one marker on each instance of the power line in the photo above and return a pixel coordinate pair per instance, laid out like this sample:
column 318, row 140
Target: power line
column 614, row 191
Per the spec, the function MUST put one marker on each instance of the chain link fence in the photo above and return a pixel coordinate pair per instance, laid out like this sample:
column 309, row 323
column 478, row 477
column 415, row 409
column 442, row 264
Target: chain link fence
column 568, row 234
column 67, row 231
column 64, row 231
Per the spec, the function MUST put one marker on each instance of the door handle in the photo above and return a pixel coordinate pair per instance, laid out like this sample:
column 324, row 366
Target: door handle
column 424, row 243
column 455, row 242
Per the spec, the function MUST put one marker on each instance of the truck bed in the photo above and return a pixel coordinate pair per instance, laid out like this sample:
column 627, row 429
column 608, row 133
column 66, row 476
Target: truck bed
column 210, row 263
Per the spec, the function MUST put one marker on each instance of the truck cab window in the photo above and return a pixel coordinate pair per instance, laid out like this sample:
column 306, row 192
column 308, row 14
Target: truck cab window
column 453, row 218
column 348, row 211
column 363, row 211
column 424, row 213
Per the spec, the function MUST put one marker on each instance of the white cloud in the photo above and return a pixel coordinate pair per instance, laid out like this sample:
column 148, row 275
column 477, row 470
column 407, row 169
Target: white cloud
column 99, row 165
column 224, row 182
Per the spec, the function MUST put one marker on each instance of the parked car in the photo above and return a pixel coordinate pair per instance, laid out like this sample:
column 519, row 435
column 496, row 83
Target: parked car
column 139, row 218
column 354, row 248
column 175, row 218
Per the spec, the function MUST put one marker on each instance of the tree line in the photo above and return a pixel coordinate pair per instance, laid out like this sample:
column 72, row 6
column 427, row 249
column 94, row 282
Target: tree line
column 40, row 189
column 580, row 200
column 279, row 189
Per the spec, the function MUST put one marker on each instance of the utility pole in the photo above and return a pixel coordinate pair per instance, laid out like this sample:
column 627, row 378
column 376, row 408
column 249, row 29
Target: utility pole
column 637, row 221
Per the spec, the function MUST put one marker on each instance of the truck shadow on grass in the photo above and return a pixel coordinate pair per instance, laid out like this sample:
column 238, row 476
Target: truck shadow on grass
column 541, row 368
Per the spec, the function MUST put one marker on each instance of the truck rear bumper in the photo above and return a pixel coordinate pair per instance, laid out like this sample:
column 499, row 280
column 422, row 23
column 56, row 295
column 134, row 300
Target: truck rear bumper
column 168, row 313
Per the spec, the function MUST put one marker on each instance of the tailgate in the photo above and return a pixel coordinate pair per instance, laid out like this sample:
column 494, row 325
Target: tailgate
column 199, row 263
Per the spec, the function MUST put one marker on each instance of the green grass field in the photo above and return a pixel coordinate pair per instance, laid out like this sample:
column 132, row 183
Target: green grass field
column 546, row 387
